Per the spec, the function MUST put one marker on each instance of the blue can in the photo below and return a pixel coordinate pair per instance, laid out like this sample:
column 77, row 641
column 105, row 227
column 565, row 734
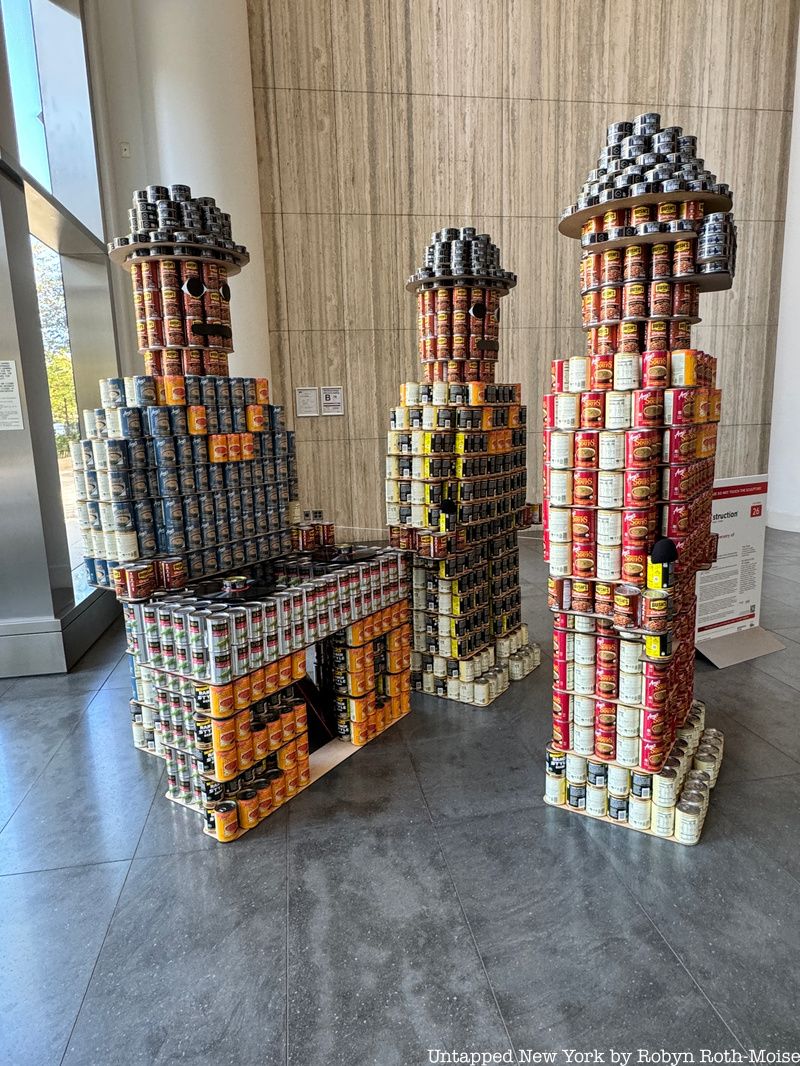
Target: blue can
column 191, row 508
column 152, row 481
column 168, row 484
column 212, row 421
column 205, row 506
column 250, row 550
column 259, row 498
column 174, row 541
column 124, row 515
column 208, row 532
column 92, row 491
column 223, row 530
column 93, row 514
column 194, row 391
column 250, row 394
column 144, row 391
column 194, row 561
column 209, row 561
column 165, row 452
column 186, row 480
column 158, row 422
column 237, row 392
column 223, row 391
column 87, row 454
column 139, row 483
column 237, row 527
column 101, row 573
column 208, row 390
column 249, row 525
column 112, row 392
column 246, row 496
column 220, row 504
column 130, row 422
column 199, row 446
column 117, row 454
column 257, row 438
column 100, row 427
column 178, row 421
column 238, row 554
column 119, row 485
column 224, row 420
column 232, row 477
column 171, row 512
column 246, row 475
column 234, row 503
column 184, row 451
column 148, row 542
column 262, row 546
column 201, row 477
column 216, row 477
column 194, row 537
column 143, row 514
column 239, row 420
column 91, row 570
column 224, row 557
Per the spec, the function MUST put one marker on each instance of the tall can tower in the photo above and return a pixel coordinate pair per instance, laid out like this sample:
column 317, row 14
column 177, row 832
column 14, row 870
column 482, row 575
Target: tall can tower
column 456, row 478
column 629, row 445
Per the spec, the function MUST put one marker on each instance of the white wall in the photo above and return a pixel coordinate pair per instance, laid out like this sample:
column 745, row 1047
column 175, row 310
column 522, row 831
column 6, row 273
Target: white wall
column 783, row 501
column 172, row 80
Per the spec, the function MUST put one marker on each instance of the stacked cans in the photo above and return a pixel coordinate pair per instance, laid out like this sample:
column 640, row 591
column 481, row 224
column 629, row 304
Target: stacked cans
column 630, row 431
column 641, row 159
column 456, row 475
column 192, row 474
column 169, row 214
column 671, row 803
column 366, row 668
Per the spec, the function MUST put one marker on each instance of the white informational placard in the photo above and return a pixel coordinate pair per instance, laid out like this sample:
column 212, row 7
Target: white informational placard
column 729, row 594
column 306, row 402
column 10, row 406
column 332, row 399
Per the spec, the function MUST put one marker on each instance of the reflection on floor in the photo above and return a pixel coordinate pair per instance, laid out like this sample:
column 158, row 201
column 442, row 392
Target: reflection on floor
column 420, row 896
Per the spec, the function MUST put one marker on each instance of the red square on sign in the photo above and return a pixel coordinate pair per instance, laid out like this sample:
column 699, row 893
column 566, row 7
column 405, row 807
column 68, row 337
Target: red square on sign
column 755, row 510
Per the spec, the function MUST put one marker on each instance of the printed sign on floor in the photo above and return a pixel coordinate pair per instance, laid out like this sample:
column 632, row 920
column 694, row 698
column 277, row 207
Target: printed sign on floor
column 729, row 594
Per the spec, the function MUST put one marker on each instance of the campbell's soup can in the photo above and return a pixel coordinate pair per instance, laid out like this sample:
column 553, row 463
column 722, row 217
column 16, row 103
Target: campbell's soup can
column 611, row 450
column 617, row 410
column 585, row 448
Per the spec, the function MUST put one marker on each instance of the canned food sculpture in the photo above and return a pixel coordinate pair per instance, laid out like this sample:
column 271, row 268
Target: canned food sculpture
column 630, row 430
column 456, row 478
column 184, row 471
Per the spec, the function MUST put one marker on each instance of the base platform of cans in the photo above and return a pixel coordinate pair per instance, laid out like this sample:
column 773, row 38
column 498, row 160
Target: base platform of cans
column 630, row 431
column 456, row 479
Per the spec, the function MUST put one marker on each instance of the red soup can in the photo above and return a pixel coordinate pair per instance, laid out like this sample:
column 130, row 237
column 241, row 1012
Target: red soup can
column 593, row 408
column 585, row 449
column 584, row 487
column 655, row 369
column 648, row 407
column 634, row 527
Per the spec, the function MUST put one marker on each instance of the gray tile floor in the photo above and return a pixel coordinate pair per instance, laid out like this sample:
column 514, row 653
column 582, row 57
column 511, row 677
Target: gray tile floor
column 420, row 896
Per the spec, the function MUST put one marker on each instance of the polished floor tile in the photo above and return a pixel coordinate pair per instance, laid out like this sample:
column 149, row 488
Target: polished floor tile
column 193, row 968
column 729, row 912
column 382, row 965
column 554, row 925
column 54, row 923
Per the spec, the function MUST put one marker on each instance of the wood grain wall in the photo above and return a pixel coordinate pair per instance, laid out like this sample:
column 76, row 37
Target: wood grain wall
column 379, row 121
